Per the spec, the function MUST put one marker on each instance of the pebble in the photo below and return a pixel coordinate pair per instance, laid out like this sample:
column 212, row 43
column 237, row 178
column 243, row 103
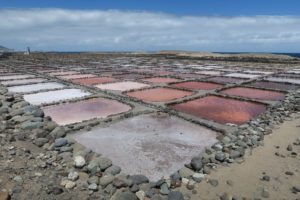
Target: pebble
column 220, row 156
column 114, row 170
column 198, row 177
column 79, row 161
column 213, row 182
column 140, row 195
column 73, row 175
column 164, row 189
column 191, row 185
column 4, row 195
column 106, row 179
column 139, row 179
column 124, row 195
column 266, row 178
column 296, row 189
column 68, row 184
column 289, row 147
column 196, row 163
column 175, row 195
column 289, row 173
column 265, row 193
column 186, row 172
column 93, row 187
column 229, row 182
column 104, row 163
column 60, row 142
column 18, row 179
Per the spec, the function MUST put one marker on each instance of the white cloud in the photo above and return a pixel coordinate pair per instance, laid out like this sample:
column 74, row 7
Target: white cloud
column 75, row 30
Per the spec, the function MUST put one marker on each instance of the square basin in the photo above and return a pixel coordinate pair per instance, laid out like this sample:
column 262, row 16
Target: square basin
column 35, row 87
column 225, row 80
column 159, row 94
column 274, row 85
column 75, row 76
column 22, row 81
column 284, row 80
column 84, row 110
column 61, row 73
column 221, row 110
column 255, row 93
column 241, row 75
column 19, row 76
column 155, row 145
column 122, row 86
column 94, row 80
column 197, row 85
column 54, row 96
column 161, row 80
column 208, row 72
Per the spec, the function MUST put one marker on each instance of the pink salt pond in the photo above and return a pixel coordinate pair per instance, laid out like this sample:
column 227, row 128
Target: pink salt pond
column 155, row 145
column 94, row 80
column 84, row 110
column 122, row 86
column 255, row 93
column 22, row 81
column 225, row 80
column 75, row 76
column 221, row 110
column 159, row 94
column 274, row 85
column 197, row 85
column 161, row 80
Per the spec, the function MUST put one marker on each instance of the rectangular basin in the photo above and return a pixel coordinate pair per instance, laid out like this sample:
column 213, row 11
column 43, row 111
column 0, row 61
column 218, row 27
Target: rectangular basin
column 35, row 87
column 255, row 93
column 69, row 113
column 155, row 145
column 122, row 86
column 22, row 81
column 221, row 110
column 54, row 96
column 159, row 94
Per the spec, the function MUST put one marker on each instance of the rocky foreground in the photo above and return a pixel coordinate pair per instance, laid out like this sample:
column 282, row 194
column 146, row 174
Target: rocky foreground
column 37, row 161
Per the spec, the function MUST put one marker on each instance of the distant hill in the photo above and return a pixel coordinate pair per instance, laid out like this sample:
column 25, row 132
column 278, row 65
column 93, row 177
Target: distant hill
column 4, row 49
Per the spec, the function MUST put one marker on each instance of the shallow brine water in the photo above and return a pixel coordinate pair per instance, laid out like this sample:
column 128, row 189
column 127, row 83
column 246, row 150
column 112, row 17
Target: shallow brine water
column 159, row 94
column 274, row 85
column 84, row 110
column 35, row 87
column 122, row 86
column 54, row 96
column 93, row 81
column 255, row 93
column 221, row 110
column 22, row 81
column 197, row 85
column 155, row 145
column 225, row 80
column 161, row 80
column 20, row 76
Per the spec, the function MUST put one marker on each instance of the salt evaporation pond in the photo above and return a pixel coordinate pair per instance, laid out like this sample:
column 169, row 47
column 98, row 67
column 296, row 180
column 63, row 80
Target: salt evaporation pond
column 35, row 87
column 155, row 145
column 20, row 76
column 122, row 86
column 54, row 96
column 22, row 81
column 221, row 110
column 197, row 85
column 274, row 85
column 159, row 94
column 84, row 110
column 255, row 93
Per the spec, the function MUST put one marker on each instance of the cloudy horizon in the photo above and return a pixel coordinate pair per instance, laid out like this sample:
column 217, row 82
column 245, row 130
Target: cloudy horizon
column 116, row 30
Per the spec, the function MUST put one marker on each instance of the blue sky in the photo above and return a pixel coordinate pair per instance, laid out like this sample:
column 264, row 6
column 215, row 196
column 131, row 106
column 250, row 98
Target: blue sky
column 181, row 7
column 152, row 25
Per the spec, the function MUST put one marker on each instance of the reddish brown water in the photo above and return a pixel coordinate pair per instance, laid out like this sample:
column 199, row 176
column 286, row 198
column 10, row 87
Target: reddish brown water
column 95, row 80
column 221, row 110
column 159, row 94
column 273, row 85
column 197, row 85
column 225, row 80
column 255, row 93
column 161, row 80
column 84, row 110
